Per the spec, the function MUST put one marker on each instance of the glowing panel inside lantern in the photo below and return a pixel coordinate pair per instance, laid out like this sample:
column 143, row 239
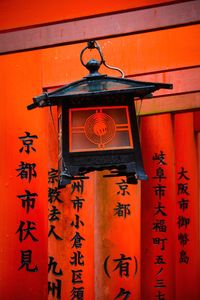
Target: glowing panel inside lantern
column 104, row 128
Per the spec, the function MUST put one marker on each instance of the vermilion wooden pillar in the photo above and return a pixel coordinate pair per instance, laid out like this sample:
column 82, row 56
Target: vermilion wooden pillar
column 23, row 230
column 198, row 158
column 108, row 220
column 158, row 209
column 117, row 239
column 71, row 216
column 187, row 209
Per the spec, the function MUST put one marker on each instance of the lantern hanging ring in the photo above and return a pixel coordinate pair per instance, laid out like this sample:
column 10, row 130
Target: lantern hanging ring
column 94, row 45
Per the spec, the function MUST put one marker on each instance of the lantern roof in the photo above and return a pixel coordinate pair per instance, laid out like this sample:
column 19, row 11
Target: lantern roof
column 96, row 84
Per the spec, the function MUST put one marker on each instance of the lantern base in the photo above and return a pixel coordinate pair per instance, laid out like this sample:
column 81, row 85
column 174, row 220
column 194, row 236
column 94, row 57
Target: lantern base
column 131, row 177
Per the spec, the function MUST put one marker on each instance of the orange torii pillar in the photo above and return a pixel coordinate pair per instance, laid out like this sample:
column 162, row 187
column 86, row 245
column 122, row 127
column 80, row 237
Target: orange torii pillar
column 158, row 209
column 117, row 239
column 187, row 208
column 23, row 206
column 71, row 230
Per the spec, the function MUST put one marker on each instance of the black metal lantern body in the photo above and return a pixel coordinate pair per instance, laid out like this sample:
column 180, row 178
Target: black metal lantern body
column 98, row 125
column 100, row 134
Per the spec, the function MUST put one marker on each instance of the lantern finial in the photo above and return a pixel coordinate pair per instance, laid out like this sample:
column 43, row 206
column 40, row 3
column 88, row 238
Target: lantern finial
column 93, row 66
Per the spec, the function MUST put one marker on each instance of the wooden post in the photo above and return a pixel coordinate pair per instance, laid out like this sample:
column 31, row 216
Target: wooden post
column 158, row 209
column 117, row 238
column 187, row 207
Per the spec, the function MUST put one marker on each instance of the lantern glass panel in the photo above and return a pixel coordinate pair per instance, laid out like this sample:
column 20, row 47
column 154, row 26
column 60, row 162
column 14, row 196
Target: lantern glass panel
column 99, row 128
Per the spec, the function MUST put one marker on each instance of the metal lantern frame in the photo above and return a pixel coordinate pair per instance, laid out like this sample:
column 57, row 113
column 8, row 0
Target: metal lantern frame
column 97, row 91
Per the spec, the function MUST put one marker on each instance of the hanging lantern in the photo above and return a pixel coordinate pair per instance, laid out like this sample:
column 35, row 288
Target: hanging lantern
column 97, row 123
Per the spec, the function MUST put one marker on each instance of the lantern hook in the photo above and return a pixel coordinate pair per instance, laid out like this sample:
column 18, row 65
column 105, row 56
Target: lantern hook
column 94, row 45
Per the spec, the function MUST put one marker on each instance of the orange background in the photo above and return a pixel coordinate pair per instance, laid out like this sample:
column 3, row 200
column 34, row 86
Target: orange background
column 36, row 12
column 23, row 76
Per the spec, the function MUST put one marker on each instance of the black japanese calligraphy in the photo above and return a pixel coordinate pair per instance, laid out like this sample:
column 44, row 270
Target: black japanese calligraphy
column 53, row 214
column 77, row 259
column 184, row 258
column 183, row 220
column 122, row 210
column 27, row 171
column 54, row 288
column 183, row 188
column 183, row 204
column 159, row 260
column 182, row 174
column 26, row 260
column 28, row 200
column 160, row 209
column 160, row 190
column 77, row 222
column 53, row 176
column 160, row 295
column 160, row 226
column 77, row 276
column 52, row 267
column 77, row 240
column 77, row 186
column 123, row 294
column 160, row 241
column 77, row 203
column 160, row 158
column 25, row 230
column 77, row 293
column 160, row 174
column 123, row 188
column 27, row 141
column 52, row 232
column 160, row 223
column 183, row 238
column 53, row 195
column 122, row 265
